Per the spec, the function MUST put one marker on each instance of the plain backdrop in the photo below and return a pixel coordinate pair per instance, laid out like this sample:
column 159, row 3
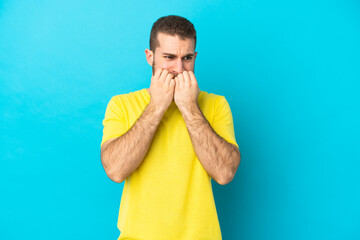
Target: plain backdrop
column 289, row 70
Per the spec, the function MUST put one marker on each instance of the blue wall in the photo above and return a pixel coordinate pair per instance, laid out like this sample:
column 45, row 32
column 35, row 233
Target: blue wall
column 289, row 69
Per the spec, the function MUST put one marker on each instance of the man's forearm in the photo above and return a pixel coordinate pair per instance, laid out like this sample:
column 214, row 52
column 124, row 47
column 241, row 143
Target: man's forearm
column 123, row 156
column 218, row 157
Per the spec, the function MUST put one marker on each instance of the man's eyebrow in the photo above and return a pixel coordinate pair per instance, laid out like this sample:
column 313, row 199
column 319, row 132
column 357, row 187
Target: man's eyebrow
column 171, row 54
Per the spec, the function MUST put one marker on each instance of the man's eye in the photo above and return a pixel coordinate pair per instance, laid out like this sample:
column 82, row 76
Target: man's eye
column 168, row 57
column 187, row 58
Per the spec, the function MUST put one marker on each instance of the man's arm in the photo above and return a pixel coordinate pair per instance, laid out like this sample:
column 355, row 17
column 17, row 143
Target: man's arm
column 121, row 156
column 219, row 158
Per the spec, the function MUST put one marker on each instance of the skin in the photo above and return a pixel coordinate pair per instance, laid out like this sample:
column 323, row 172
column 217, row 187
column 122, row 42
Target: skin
column 173, row 79
column 173, row 54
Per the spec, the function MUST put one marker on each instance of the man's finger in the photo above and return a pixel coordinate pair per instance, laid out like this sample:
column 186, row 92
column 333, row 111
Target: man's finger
column 157, row 73
column 168, row 78
column 177, row 84
column 181, row 79
column 187, row 79
column 192, row 77
column 172, row 83
column 163, row 75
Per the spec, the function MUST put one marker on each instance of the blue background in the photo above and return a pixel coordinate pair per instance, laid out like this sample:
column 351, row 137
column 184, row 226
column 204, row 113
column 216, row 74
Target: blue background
column 289, row 70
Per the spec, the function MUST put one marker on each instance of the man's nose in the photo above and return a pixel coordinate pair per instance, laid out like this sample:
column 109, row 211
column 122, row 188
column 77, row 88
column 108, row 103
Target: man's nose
column 178, row 67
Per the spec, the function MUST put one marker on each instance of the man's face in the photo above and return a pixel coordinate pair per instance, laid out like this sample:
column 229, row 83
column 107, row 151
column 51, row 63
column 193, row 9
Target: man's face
column 173, row 53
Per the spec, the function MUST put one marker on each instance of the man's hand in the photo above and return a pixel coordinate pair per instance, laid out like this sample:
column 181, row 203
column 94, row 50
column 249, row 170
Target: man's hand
column 162, row 89
column 186, row 91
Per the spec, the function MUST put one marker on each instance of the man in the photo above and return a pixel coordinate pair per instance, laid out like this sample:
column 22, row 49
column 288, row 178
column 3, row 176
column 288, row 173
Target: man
column 167, row 142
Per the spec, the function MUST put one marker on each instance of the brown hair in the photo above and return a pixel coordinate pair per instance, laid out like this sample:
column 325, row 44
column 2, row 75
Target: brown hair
column 172, row 25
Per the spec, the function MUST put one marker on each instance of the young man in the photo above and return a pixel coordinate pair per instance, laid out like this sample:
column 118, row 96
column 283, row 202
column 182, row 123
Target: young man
column 167, row 142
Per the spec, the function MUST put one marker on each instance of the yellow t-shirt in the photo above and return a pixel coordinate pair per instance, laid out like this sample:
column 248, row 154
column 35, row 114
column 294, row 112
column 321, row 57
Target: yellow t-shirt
column 169, row 196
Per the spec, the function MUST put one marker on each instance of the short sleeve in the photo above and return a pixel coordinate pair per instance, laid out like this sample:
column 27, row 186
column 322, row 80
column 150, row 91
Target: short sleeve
column 223, row 120
column 114, row 122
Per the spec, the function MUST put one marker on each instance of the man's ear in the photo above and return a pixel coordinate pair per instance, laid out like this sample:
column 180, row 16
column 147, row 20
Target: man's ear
column 149, row 56
column 195, row 54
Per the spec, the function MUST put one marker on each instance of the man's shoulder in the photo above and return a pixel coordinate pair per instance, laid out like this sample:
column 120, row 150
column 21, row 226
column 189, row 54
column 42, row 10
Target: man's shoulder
column 206, row 97
column 130, row 94
column 142, row 93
